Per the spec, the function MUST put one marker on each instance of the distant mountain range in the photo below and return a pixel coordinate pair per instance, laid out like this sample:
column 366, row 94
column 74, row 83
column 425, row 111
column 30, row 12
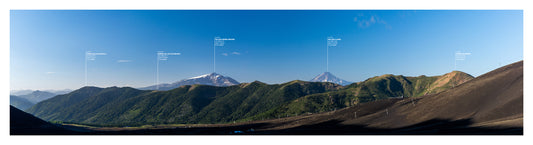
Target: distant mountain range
column 246, row 101
column 20, row 92
column 20, row 103
column 212, row 79
column 26, row 92
column 328, row 77
column 38, row 96
column 25, row 101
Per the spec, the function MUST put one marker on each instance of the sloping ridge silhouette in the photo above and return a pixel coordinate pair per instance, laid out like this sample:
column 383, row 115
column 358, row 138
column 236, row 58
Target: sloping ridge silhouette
column 22, row 123
column 489, row 104
column 494, row 99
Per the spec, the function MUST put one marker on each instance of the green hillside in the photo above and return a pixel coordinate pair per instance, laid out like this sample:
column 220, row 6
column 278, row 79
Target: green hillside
column 247, row 101
column 380, row 87
column 186, row 104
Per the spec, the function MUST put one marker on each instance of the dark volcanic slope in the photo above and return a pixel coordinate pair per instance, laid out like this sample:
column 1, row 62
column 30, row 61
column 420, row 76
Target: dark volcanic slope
column 493, row 99
column 23, row 123
column 489, row 104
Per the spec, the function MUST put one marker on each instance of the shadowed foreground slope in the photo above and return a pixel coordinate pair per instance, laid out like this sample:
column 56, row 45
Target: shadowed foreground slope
column 489, row 104
column 24, row 123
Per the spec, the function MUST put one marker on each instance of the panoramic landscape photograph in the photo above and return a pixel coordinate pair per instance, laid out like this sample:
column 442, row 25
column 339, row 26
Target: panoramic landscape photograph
column 266, row 72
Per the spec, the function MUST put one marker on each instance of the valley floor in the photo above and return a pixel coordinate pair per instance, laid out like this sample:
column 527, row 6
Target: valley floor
column 315, row 124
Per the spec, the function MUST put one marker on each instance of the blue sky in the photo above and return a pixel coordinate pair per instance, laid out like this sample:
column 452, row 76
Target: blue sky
column 273, row 46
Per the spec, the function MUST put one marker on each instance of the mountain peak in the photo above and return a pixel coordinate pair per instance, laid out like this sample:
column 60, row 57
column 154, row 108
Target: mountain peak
column 456, row 77
column 454, row 73
column 328, row 77
column 386, row 76
column 328, row 73
column 89, row 87
column 213, row 74
column 254, row 83
column 257, row 82
column 212, row 79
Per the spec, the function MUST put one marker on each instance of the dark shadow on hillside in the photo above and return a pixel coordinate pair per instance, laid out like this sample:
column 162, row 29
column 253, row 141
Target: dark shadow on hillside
column 25, row 124
column 227, row 130
column 22, row 123
column 431, row 127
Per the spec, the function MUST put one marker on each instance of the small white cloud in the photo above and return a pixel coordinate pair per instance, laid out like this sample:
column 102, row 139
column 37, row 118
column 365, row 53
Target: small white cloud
column 365, row 21
column 122, row 61
column 236, row 53
column 50, row 72
column 225, row 54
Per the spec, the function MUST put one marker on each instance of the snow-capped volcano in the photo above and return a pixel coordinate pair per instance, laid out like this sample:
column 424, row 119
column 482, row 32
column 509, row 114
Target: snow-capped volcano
column 328, row 77
column 212, row 79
